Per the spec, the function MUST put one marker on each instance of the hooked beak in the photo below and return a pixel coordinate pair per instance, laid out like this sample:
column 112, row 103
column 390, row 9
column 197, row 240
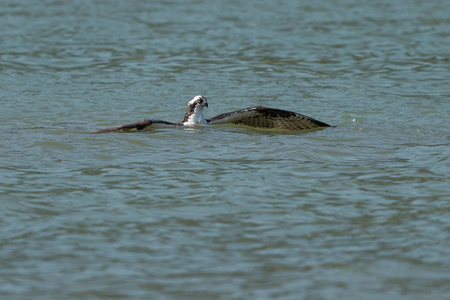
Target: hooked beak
column 203, row 102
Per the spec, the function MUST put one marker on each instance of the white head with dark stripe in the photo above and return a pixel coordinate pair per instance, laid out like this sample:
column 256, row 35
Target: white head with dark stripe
column 194, row 111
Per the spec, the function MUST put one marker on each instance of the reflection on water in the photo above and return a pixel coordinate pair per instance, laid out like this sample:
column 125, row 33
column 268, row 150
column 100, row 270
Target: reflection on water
column 356, row 210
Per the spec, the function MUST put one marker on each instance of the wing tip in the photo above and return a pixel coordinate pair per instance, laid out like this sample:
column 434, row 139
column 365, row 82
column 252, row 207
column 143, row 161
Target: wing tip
column 138, row 126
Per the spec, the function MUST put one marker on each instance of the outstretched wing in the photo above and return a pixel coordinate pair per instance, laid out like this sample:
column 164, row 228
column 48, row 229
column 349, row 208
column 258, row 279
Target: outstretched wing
column 265, row 117
column 134, row 126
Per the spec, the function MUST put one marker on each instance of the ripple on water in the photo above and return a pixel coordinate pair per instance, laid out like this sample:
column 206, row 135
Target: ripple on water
column 359, row 209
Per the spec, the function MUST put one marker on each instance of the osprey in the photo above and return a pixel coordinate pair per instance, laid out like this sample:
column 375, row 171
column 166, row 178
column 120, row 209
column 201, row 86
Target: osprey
column 258, row 116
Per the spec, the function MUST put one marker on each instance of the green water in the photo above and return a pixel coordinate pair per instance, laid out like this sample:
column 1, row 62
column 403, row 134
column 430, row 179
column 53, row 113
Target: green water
column 358, row 211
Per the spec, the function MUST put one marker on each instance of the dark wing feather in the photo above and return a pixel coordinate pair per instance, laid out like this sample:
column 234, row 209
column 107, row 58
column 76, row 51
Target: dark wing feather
column 265, row 117
column 134, row 126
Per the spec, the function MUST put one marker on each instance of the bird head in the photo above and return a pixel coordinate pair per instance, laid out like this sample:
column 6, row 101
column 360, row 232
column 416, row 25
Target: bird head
column 194, row 111
column 199, row 101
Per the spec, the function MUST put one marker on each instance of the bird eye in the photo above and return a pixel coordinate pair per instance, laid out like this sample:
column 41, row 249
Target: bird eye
column 199, row 100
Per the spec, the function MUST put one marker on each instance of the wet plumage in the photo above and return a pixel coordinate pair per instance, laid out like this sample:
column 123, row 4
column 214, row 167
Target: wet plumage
column 258, row 117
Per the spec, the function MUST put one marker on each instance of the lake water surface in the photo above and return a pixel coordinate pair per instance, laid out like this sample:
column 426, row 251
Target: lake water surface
column 357, row 211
